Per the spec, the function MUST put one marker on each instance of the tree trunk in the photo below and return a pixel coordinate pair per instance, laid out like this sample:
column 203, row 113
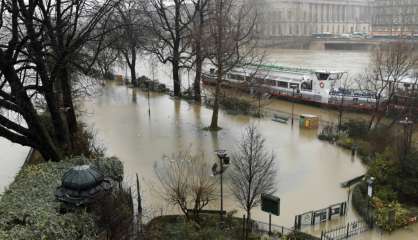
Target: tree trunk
column 248, row 228
column 61, row 132
column 132, row 66
column 39, row 137
column 197, row 79
column 69, row 106
column 176, row 79
column 214, row 122
column 199, row 55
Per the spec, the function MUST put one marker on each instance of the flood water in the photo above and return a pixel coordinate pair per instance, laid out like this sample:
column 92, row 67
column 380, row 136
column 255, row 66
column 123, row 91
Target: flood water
column 309, row 171
column 12, row 157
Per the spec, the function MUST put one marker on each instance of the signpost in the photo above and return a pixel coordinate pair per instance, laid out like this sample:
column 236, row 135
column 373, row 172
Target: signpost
column 271, row 205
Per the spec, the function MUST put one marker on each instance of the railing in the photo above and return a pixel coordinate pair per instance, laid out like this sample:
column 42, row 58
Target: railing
column 263, row 227
column 345, row 231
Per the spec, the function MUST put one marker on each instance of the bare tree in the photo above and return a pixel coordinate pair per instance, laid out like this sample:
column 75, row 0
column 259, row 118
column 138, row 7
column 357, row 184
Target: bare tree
column 106, row 61
column 168, row 25
column 253, row 171
column 186, row 182
column 198, row 36
column 130, row 37
column 345, row 87
column 232, row 41
column 391, row 63
column 43, row 41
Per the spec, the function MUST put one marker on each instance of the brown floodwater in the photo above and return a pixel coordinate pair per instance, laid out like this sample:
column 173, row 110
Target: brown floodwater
column 309, row 171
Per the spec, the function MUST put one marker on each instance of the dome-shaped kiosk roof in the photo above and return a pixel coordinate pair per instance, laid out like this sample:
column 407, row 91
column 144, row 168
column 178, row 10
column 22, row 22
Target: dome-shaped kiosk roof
column 81, row 185
column 82, row 177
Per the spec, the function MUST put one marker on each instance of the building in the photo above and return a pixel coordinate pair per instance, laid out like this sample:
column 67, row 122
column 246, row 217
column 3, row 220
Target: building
column 395, row 18
column 306, row 17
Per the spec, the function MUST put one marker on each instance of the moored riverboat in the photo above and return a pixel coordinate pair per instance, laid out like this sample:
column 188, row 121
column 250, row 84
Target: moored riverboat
column 317, row 87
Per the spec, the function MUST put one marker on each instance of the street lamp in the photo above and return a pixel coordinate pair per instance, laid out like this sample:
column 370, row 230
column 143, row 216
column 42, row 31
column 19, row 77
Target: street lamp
column 370, row 195
column 293, row 100
column 407, row 138
column 223, row 163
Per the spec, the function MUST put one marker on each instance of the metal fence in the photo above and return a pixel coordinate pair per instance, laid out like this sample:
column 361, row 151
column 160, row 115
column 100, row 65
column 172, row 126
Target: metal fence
column 262, row 227
column 346, row 231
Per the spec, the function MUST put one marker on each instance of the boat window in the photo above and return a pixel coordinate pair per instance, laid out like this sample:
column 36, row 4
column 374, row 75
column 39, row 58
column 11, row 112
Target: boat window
column 282, row 84
column 237, row 77
column 334, row 76
column 322, row 76
column 307, row 85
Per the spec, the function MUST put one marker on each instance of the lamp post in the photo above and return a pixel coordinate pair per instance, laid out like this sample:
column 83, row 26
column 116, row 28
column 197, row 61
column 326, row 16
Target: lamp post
column 370, row 195
column 223, row 160
column 407, row 137
column 293, row 100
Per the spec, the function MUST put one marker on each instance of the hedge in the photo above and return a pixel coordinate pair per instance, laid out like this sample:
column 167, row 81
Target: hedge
column 28, row 209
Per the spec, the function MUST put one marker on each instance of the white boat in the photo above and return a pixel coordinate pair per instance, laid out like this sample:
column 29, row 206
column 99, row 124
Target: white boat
column 314, row 86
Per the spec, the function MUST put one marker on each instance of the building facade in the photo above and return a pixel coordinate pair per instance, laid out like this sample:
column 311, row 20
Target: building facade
column 395, row 18
column 306, row 17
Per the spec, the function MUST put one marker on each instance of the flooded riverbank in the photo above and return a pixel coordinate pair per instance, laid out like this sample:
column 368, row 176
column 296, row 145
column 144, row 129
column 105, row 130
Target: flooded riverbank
column 310, row 171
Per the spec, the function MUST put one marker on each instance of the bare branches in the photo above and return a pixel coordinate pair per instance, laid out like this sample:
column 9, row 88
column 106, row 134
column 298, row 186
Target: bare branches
column 42, row 43
column 392, row 63
column 169, row 28
column 253, row 170
column 232, row 43
column 186, row 182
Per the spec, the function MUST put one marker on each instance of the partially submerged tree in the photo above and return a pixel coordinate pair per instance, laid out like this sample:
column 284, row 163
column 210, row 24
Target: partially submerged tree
column 186, row 183
column 168, row 27
column 253, row 171
column 232, row 41
column 391, row 63
column 129, row 38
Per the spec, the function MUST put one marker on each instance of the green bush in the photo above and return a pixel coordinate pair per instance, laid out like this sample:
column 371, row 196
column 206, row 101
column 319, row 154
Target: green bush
column 386, row 194
column 28, row 209
column 345, row 142
column 360, row 200
column 391, row 216
column 355, row 128
column 237, row 105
